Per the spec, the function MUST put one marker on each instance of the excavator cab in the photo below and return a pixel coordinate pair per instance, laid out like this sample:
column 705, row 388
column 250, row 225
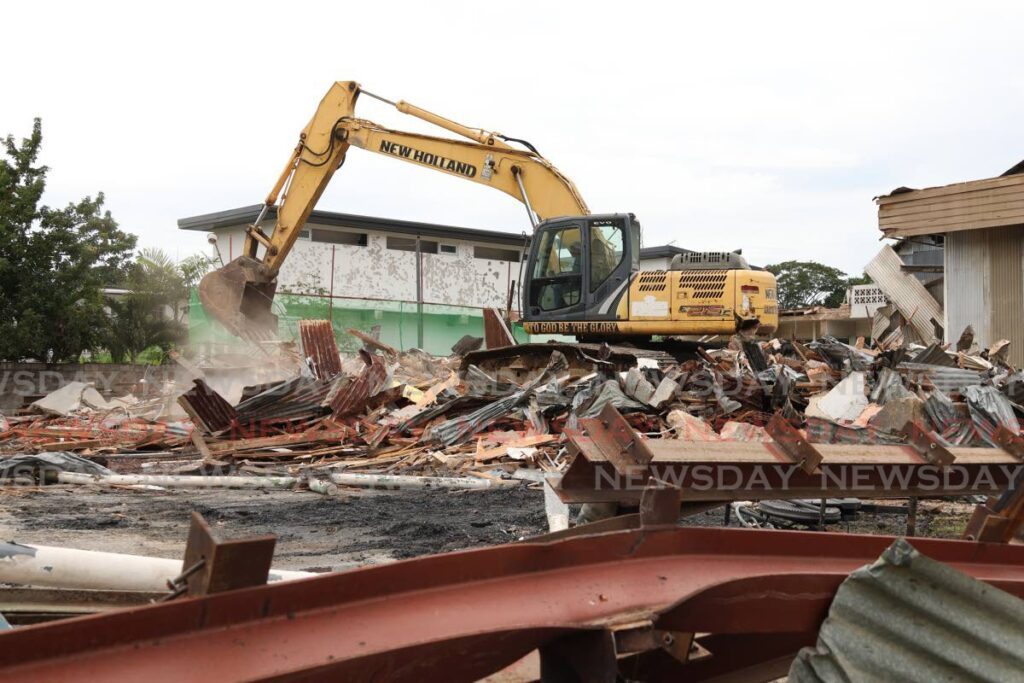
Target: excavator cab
column 578, row 269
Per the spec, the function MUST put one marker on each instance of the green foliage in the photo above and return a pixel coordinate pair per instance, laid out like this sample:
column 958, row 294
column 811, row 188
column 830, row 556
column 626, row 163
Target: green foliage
column 150, row 315
column 834, row 299
column 806, row 283
column 53, row 262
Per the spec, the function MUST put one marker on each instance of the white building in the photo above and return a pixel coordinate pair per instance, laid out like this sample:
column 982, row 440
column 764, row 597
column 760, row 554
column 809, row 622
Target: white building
column 370, row 270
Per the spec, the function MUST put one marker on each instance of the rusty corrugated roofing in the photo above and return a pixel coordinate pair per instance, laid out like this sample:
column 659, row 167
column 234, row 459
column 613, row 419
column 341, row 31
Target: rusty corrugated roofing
column 318, row 344
column 352, row 397
column 208, row 410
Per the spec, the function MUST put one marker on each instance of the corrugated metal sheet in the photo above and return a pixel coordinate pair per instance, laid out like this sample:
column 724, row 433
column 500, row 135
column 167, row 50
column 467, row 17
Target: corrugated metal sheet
column 946, row 379
column 319, row 345
column 909, row 618
column 968, row 300
column 209, row 411
column 352, row 397
column 1007, row 288
column 298, row 399
column 906, row 291
column 985, row 286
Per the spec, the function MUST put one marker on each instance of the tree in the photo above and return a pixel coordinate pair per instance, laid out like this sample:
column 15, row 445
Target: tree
column 806, row 283
column 151, row 312
column 53, row 262
column 838, row 296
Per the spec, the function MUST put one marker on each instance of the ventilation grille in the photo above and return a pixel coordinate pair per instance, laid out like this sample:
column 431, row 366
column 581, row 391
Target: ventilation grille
column 707, row 257
column 653, row 281
column 706, row 284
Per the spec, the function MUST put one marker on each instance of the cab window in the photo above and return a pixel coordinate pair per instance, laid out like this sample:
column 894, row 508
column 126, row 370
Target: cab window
column 557, row 272
column 606, row 251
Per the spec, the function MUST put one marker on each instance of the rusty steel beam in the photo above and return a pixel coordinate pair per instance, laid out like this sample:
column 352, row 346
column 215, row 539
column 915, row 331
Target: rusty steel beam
column 788, row 468
column 465, row 615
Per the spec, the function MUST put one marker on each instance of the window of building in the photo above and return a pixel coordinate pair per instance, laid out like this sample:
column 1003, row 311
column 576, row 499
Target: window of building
column 496, row 254
column 449, row 249
column 303, row 234
column 356, row 239
column 409, row 244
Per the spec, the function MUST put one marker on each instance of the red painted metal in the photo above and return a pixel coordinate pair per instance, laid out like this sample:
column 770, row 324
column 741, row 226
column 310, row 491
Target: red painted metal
column 461, row 616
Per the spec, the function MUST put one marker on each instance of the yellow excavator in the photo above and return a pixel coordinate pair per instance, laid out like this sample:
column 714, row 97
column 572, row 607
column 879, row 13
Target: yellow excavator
column 583, row 274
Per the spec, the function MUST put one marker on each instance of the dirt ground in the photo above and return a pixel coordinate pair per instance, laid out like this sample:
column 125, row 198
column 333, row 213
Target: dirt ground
column 314, row 532
column 321, row 533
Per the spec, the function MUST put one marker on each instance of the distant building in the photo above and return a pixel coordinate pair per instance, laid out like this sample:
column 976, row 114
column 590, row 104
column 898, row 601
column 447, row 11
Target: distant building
column 980, row 226
column 426, row 285
column 850, row 320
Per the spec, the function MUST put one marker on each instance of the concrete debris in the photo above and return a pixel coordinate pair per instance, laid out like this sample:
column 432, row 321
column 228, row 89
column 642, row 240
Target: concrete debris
column 846, row 401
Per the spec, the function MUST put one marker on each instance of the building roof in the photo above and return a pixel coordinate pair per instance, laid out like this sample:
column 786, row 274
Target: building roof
column 973, row 205
column 247, row 214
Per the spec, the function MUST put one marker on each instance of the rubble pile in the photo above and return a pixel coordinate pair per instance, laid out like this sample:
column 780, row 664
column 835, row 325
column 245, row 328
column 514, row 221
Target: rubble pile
column 486, row 414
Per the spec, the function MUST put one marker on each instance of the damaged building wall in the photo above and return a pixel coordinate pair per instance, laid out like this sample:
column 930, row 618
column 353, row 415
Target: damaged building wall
column 377, row 272
column 985, row 286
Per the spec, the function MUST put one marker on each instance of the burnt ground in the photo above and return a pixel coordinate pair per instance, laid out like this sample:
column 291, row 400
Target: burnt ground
column 314, row 532
column 320, row 533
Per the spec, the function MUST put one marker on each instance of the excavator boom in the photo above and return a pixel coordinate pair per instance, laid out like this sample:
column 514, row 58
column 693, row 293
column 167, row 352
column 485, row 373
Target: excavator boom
column 240, row 294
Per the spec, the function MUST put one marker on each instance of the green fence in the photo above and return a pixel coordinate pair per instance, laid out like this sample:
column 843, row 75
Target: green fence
column 404, row 325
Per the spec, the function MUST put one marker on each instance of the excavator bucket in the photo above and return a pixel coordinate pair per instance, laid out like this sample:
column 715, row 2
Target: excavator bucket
column 239, row 297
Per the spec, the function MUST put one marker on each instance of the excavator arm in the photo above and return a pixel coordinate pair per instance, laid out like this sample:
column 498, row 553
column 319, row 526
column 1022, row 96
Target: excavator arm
column 240, row 294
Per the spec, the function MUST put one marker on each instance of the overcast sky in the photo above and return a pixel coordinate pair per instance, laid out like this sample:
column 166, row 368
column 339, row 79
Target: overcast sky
column 762, row 126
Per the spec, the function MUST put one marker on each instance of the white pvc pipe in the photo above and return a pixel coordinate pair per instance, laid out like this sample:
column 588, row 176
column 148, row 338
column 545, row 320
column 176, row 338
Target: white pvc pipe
column 322, row 486
column 40, row 565
column 179, row 480
column 398, row 481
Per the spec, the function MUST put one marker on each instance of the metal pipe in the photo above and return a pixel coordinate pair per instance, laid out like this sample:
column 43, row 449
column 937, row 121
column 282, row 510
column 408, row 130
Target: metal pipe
column 419, row 293
column 398, row 481
column 517, row 172
column 377, row 97
column 55, row 567
column 179, row 481
column 475, row 134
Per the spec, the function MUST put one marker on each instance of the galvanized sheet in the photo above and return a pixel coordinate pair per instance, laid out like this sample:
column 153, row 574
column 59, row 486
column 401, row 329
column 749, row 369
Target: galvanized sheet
column 968, row 299
column 909, row 618
column 906, row 291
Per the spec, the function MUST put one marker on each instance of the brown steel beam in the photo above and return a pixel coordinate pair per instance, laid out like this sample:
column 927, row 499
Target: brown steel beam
column 464, row 615
column 788, row 468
